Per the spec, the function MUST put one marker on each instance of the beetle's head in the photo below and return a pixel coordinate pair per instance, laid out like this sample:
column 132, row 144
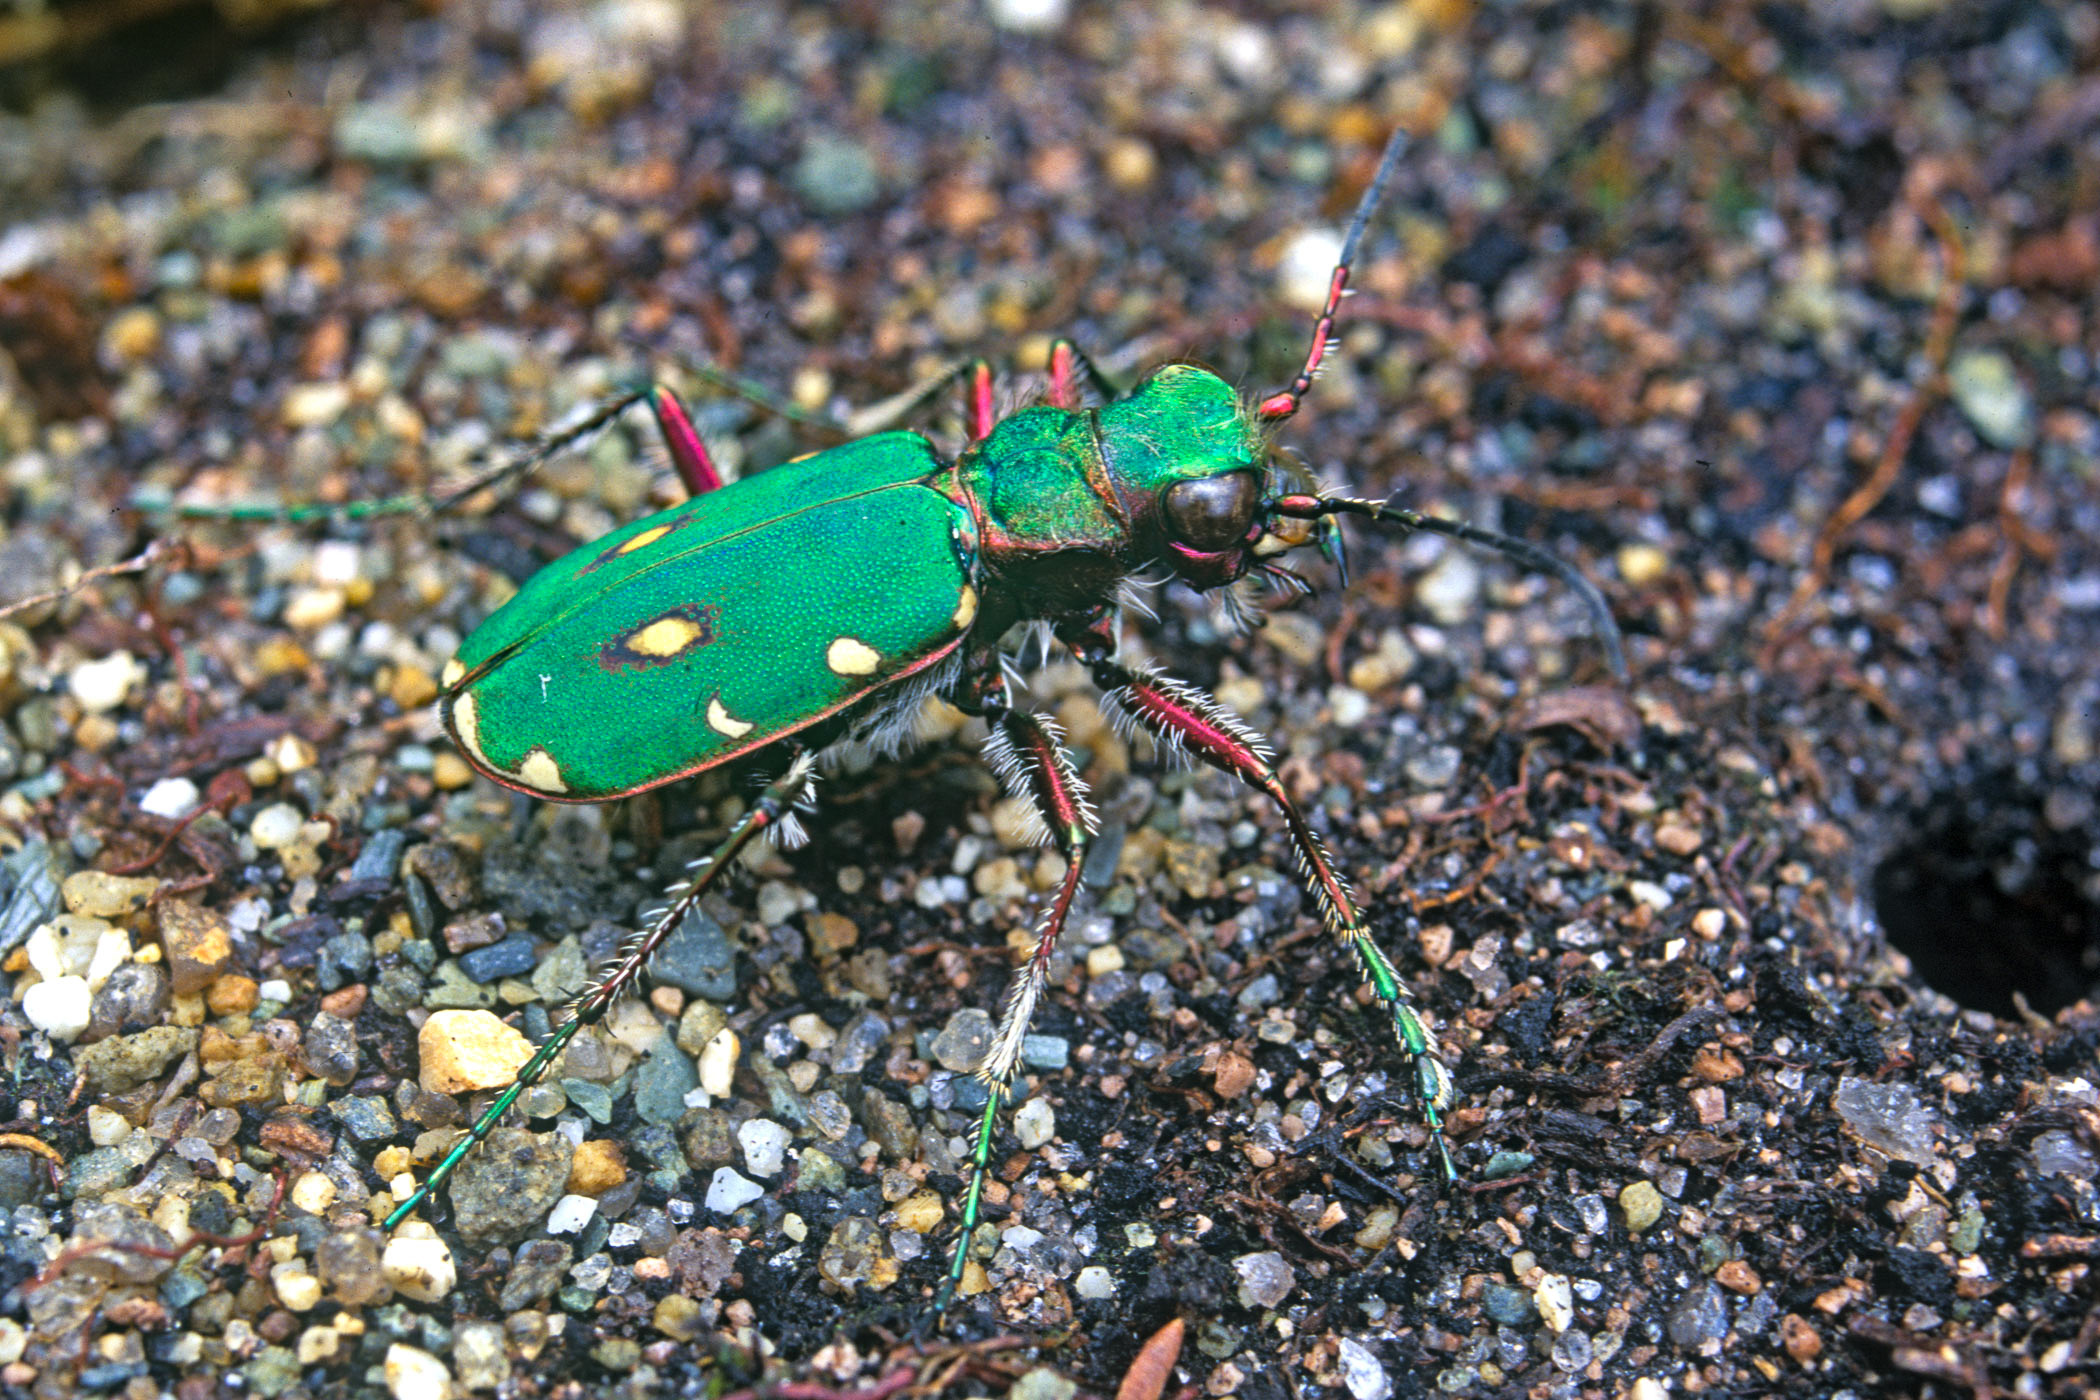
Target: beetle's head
column 1188, row 463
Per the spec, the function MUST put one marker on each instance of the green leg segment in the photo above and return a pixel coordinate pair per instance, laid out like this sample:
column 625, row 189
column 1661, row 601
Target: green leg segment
column 772, row 806
column 1029, row 758
column 1189, row 721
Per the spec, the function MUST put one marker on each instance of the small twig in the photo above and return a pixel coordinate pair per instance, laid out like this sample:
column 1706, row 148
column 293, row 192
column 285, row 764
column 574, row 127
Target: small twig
column 137, row 563
column 1939, row 342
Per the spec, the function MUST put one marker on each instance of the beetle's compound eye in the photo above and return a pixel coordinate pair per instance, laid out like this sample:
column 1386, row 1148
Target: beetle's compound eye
column 1212, row 512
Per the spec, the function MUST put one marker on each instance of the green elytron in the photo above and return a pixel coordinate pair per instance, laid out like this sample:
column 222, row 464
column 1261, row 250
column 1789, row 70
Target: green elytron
column 824, row 600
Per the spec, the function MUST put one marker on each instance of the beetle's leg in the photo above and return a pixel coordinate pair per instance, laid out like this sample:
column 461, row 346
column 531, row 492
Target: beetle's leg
column 1024, row 750
column 688, row 453
column 1184, row 718
column 980, row 412
column 1068, row 364
column 772, row 807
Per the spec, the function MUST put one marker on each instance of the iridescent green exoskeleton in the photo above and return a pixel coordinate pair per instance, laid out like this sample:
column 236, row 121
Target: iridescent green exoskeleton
column 823, row 601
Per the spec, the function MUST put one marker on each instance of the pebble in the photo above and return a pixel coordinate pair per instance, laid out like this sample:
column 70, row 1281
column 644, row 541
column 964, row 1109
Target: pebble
column 698, row 960
column 730, row 1192
column 1643, row 1205
column 718, row 1063
column 1035, row 1123
column 513, row 957
column 1641, row 564
column 1450, row 588
column 59, row 1008
column 765, row 1146
column 419, row 1265
column 1435, row 767
column 1045, row 1052
column 1042, row 1383
column 537, row 1271
column 505, row 1190
column 1987, row 389
column 852, row 1253
column 1306, row 268
column 101, row 686
column 570, row 1214
column 961, row 1045
column 1512, row 1307
column 661, row 1082
column 1555, row 1300
column 1362, row 1372
column 598, row 1166
column 479, row 1356
column 1889, row 1117
column 836, row 175
column 170, row 797
column 1095, row 1282
column 1266, row 1279
column 276, row 826
column 921, row 1212
column 1699, row 1317
column 414, row 1374
column 198, row 944
column 1028, row 16
column 463, row 1051
column 93, row 894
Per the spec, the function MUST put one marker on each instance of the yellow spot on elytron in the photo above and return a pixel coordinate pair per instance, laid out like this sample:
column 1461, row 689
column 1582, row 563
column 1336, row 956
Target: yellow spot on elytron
column 966, row 608
column 541, row 773
column 466, row 727
column 849, row 656
column 667, row 636
column 645, row 539
column 453, row 674
column 722, row 722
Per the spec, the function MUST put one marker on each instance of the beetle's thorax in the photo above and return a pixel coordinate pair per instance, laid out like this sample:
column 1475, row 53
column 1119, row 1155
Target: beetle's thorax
column 1069, row 502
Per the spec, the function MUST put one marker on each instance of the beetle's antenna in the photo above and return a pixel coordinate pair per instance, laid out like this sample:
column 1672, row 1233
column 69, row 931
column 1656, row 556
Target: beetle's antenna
column 1325, row 507
column 1282, row 404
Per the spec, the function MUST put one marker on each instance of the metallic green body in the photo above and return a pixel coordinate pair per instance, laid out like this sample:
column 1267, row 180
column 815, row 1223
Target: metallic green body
column 719, row 626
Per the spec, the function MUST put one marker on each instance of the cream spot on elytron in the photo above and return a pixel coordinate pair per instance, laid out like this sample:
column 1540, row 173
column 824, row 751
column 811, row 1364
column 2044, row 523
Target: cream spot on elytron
column 453, row 674
column 665, row 637
column 966, row 608
column 645, row 539
column 850, row 656
column 722, row 722
column 541, row 773
column 466, row 728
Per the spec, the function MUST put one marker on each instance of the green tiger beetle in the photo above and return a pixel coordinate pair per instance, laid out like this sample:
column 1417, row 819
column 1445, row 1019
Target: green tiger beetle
column 823, row 601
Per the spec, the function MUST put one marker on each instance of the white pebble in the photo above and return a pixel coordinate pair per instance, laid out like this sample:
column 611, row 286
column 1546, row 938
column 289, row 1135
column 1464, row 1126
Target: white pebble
column 170, row 797
column 1307, row 267
column 718, row 1063
column 276, row 826
column 1095, row 1282
column 1034, row 1123
column 414, row 1374
column 1362, row 1373
column 730, row 1192
column 106, row 1126
column 1450, row 588
column 419, row 1266
column 1027, row 16
column 296, row 1288
column 59, row 1008
column 570, row 1214
column 276, row 989
column 765, row 1146
column 1349, row 705
column 1555, row 1299
column 105, row 684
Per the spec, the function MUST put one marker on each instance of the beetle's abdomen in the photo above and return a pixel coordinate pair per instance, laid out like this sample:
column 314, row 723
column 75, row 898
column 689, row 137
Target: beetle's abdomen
column 709, row 630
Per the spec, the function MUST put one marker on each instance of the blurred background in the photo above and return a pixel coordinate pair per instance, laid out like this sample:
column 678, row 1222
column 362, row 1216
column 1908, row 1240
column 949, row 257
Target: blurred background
column 1778, row 319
